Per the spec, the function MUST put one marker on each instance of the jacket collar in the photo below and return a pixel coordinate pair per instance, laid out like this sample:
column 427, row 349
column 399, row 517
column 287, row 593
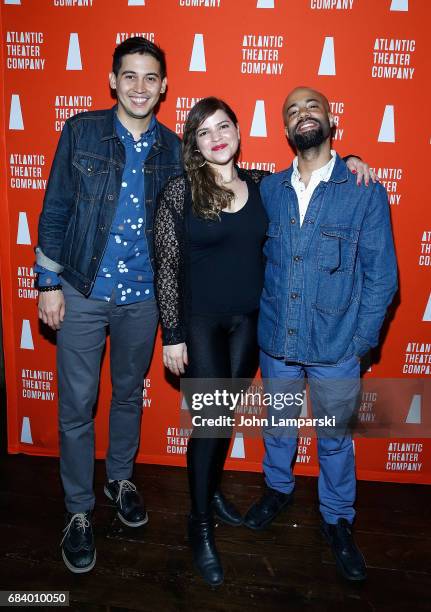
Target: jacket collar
column 109, row 131
column 340, row 173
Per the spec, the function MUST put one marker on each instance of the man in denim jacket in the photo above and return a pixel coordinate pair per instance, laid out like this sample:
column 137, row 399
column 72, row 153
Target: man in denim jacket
column 95, row 263
column 330, row 276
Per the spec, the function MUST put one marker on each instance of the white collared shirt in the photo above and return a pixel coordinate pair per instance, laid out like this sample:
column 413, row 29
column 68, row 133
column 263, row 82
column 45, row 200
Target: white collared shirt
column 304, row 193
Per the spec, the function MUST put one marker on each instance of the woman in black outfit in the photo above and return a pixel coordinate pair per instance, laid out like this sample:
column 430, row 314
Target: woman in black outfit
column 209, row 232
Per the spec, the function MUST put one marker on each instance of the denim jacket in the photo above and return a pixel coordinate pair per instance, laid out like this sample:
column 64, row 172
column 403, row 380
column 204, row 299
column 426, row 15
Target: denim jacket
column 329, row 282
column 83, row 190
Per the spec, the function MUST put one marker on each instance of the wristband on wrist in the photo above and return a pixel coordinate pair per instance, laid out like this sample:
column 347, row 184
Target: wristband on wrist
column 50, row 288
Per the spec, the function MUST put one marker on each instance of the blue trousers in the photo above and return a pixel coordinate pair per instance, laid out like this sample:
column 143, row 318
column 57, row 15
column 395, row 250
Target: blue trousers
column 334, row 391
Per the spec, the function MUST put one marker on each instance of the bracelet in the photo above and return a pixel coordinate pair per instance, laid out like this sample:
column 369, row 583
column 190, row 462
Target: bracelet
column 51, row 288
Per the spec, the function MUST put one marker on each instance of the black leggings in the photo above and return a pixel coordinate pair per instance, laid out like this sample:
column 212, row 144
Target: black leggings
column 219, row 346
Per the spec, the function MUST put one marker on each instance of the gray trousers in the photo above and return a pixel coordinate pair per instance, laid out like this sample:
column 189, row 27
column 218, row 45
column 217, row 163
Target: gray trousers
column 80, row 345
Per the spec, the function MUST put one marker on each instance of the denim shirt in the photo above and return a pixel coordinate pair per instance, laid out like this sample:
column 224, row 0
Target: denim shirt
column 328, row 283
column 83, row 192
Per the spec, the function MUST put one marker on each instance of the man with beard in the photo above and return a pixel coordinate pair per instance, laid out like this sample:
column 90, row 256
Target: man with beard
column 330, row 276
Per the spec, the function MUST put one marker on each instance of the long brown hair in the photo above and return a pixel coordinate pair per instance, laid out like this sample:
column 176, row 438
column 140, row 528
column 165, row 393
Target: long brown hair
column 209, row 198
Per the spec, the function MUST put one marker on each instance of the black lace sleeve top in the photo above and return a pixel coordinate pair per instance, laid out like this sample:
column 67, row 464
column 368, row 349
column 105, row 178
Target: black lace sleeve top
column 175, row 252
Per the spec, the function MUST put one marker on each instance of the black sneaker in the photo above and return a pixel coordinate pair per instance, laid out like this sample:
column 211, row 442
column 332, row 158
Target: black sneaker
column 130, row 509
column 348, row 557
column 261, row 514
column 77, row 546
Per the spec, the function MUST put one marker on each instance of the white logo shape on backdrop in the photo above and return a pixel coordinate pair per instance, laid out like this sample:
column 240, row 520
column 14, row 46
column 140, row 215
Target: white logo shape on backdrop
column 265, row 4
column 12, row 1
column 258, row 125
column 197, row 60
column 427, row 313
column 414, row 415
column 74, row 53
column 26, row 337
column 26, row 431
column 238, row 450
column 327, row 61
column 23, row 234
column 399, row 5
column 136, row 3
column 304, row 408
column 15, row 117
column 387, row 129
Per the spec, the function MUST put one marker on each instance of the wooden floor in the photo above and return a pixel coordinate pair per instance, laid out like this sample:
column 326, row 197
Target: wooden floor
column 287, row 567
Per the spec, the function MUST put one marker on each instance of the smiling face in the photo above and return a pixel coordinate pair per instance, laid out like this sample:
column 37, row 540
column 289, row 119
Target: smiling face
column 307, row 118
column 138, row 85
column 217, row 138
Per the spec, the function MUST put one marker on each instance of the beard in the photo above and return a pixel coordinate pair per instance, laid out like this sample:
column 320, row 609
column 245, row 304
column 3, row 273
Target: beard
column 310, row 139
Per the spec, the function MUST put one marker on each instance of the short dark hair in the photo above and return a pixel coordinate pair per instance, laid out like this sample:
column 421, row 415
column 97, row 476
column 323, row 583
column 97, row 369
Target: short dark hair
column 141, row 45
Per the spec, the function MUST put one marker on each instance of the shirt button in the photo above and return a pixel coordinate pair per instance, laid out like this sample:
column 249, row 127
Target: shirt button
column 102, row 228
column 291, row 332
column 110, row 197
column 139, row 277
column 94, row 258
column 121, row 227
column 297, row 258
column 293, row 296
column 293, row 221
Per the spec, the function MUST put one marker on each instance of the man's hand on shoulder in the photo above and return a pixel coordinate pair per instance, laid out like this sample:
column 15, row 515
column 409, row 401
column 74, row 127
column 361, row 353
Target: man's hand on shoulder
column 51, row 308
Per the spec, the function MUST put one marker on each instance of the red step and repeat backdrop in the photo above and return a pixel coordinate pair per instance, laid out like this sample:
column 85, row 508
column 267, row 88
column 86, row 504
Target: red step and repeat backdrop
column 368, row 57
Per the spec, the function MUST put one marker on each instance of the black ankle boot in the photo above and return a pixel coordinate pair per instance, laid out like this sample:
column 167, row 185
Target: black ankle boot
column 205, row 555
column 225, row 511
